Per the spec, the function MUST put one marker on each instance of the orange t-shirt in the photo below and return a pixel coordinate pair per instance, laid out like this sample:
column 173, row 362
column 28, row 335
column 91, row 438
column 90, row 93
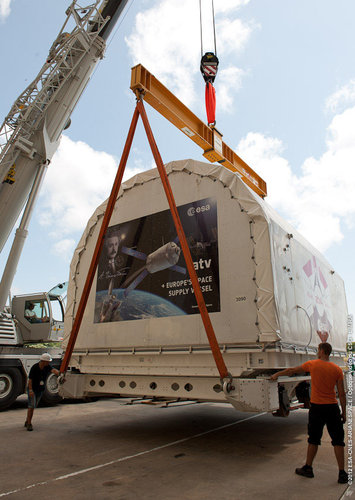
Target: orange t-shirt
column 324, row 376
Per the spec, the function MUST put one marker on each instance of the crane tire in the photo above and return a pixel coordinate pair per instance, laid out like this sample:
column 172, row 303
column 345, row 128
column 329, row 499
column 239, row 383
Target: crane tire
column 51, row 395
column 10, row 386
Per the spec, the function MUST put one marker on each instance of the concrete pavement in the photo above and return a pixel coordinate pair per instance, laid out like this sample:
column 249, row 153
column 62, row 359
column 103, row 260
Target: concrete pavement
column 108, row 450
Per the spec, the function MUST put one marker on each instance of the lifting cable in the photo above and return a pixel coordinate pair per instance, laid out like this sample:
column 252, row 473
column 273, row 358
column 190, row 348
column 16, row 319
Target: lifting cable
column 209, row 68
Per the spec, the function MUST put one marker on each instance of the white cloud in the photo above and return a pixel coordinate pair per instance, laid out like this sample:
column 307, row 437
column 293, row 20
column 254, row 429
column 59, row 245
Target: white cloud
column 228, row 5
column 342, row 98
column 64, row 249
column 341, row 131
column 229, row 81
column 78, row 180
column 321, row 199
column 264, row 155
column 166, row 40
column 4, row 8
column 233, row 35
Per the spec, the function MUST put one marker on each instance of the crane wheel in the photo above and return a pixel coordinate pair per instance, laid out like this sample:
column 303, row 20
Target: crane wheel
column 10, row 386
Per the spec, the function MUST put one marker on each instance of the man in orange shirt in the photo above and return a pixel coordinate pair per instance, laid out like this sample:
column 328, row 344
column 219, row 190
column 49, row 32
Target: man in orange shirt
column 324, row 407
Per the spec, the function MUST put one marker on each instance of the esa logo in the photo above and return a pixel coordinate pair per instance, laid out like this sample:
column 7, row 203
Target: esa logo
column 198, row 210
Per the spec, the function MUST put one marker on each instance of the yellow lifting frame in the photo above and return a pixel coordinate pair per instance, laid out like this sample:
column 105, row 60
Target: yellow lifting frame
column 209, row 139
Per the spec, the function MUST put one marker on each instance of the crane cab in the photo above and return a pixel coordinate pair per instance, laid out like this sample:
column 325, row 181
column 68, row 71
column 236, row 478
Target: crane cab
column 40, row 316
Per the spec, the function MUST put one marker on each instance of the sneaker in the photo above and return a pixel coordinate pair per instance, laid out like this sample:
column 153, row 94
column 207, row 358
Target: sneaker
column 29, row 427
column 343, row 477
column 306, row 471
column 26, row 424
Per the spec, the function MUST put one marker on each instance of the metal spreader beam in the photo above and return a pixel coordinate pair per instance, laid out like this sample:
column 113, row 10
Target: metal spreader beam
column 209, row 139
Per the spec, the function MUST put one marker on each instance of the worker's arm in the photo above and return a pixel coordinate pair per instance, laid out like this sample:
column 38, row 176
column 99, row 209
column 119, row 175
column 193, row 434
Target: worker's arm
column 56, row 372
column 342, row 398
column 30, row 389
column 287, row 372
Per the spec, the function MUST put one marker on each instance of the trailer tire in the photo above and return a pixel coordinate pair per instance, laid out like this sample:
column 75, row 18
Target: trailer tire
column 303, row 393
column 51, row 395
column 10, row 386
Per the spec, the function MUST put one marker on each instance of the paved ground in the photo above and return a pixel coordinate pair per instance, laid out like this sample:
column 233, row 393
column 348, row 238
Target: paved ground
column 108, row 450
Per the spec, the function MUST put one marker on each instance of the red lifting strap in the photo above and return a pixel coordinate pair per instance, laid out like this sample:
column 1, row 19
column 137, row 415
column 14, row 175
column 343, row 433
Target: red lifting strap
column 216, row 352
column 210, row 97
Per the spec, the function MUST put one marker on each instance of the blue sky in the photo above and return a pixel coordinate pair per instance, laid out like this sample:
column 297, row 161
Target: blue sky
column 285, row 103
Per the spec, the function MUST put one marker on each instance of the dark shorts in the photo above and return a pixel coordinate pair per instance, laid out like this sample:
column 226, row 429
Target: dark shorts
column 329, row 415
column 34, row 399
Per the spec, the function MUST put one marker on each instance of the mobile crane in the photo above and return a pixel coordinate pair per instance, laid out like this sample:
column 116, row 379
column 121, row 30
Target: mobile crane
column 29, row 137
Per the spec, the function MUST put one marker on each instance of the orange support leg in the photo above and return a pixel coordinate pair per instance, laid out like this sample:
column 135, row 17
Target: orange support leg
column 95, row 258
column 222, row 369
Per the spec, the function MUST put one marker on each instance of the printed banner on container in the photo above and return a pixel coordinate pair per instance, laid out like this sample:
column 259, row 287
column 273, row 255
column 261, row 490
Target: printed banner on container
column 142, row 271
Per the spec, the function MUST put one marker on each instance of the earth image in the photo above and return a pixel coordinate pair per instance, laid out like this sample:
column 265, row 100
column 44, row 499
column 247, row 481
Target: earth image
column 136, row 305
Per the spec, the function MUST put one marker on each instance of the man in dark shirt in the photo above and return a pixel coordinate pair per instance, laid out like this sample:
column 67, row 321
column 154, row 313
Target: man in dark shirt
column 36, row 385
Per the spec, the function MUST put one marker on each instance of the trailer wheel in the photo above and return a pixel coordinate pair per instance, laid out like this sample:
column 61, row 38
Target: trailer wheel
column 51, row 395
column 10, row 386
column 303, row 393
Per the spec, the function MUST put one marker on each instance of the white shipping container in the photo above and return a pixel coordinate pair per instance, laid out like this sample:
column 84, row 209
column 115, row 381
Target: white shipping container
column 271, row 296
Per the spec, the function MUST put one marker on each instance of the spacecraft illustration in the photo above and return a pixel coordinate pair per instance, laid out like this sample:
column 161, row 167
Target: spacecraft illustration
column 164, row 257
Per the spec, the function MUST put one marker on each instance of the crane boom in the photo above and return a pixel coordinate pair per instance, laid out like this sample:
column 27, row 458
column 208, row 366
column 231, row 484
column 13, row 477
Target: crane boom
column 31, row 131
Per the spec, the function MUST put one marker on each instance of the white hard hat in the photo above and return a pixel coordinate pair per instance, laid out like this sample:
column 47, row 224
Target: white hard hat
column 45, row 357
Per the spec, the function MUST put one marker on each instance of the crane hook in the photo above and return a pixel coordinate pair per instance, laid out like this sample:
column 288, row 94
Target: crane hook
column 209, row 66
